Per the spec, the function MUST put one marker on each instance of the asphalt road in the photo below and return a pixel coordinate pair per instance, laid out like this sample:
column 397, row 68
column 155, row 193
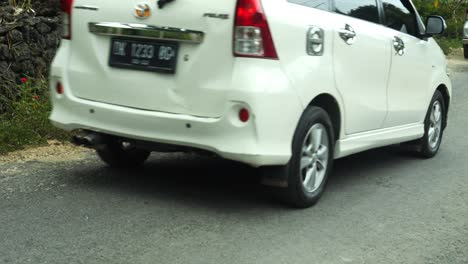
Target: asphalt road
column 381, row 206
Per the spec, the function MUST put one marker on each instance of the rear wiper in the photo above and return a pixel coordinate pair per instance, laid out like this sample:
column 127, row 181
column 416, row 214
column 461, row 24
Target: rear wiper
column 162, row 3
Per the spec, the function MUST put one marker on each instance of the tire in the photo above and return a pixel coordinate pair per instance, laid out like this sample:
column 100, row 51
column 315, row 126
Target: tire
column 115, row 156
column 434, row 125
column 316, row 160
column 465, row 49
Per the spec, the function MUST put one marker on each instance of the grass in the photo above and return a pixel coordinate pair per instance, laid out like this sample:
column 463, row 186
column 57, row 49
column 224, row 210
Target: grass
column 26, row 122
column 448, row 45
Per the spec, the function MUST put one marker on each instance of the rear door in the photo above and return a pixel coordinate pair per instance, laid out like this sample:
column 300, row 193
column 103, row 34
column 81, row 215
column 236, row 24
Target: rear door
column 362, row 55
column 197, row 72
column 411, row 66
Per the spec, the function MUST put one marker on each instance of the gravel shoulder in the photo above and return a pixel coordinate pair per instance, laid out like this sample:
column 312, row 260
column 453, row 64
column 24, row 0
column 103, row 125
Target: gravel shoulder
column 54, row 151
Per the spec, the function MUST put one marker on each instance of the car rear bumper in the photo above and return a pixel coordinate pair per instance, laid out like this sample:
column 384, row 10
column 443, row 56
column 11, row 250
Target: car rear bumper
column 224, row 136
column 264, row 140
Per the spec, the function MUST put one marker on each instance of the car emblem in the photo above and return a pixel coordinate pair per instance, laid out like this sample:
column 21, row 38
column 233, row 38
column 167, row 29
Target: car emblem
column 142, row 10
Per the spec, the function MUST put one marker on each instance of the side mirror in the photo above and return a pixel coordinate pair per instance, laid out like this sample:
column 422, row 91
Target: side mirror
column 435, row 26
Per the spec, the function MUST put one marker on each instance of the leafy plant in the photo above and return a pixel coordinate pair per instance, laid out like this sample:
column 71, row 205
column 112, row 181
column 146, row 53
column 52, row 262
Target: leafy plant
column 27, row 121
column 453, row 11
column 25, row 4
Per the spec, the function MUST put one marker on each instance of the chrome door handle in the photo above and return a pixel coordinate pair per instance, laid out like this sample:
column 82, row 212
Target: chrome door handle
column 348, row 34
column 399, row 46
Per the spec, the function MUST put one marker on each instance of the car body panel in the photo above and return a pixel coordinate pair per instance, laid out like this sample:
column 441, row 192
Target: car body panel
column 260, row 142
column 407, row 90
column 465, row 32
column 198, row 77
column 382, row 97
column 377, row 138
column 309, row 76
column 361, row 74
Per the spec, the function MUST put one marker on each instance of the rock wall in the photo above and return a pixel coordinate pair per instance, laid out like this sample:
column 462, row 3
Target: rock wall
column 29, row 38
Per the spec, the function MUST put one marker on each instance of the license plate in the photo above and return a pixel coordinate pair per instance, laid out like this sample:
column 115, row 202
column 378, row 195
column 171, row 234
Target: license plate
column 145, row 55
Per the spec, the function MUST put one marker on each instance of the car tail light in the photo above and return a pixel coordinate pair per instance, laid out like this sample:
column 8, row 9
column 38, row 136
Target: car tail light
column 66, row 6
column 252, row 36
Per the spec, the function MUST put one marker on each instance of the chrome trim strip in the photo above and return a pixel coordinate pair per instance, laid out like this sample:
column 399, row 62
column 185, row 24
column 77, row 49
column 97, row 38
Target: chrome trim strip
column 146, row 31
column 87, row 7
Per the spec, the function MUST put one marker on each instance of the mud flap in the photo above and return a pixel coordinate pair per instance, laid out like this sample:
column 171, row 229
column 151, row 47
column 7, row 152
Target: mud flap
column 275, row 176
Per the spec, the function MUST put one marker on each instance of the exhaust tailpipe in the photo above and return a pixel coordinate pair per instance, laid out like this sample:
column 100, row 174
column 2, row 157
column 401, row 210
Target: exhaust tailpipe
column 89, row 139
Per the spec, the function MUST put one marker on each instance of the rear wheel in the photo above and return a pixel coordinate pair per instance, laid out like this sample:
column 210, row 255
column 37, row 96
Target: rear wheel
column 117, row 155
column 465, row 49
column 311, row 161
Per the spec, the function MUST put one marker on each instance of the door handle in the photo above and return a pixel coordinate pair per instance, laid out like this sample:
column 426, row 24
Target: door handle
column 348, row 34
column 399, row 46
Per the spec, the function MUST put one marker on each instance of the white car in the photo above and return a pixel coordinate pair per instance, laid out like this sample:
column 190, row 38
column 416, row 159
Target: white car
column 286, row 86
column 465, row 36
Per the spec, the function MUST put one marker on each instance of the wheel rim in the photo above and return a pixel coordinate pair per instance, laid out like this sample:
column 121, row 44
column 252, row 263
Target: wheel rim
column 435, row 125
column 314, row 158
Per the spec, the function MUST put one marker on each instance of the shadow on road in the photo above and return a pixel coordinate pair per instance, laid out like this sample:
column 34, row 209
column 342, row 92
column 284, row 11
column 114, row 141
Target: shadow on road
column 216, row 183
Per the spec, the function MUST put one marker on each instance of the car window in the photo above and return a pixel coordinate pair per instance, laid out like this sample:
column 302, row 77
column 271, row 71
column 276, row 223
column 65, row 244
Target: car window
column 399, row 15
column 421, row 26
column 362, row 9
column 319, row 4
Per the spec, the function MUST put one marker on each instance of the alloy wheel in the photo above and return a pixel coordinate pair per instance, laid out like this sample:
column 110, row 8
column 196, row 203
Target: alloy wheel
column 314, row 157
column 435, row 125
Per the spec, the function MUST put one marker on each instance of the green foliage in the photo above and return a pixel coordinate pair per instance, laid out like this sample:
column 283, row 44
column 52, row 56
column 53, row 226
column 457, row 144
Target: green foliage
column 26, row 4
column 448, row 44
column 26, row 122
column 453, row 11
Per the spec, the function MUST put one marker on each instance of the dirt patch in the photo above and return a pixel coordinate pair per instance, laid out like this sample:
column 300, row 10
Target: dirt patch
column 456, row 61
column 55, row 151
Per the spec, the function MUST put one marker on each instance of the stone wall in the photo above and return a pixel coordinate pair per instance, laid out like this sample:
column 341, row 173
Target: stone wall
column 29, row 38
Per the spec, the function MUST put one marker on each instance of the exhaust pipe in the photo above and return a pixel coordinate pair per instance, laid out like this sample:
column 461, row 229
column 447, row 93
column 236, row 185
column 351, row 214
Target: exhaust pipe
column 89, row 139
